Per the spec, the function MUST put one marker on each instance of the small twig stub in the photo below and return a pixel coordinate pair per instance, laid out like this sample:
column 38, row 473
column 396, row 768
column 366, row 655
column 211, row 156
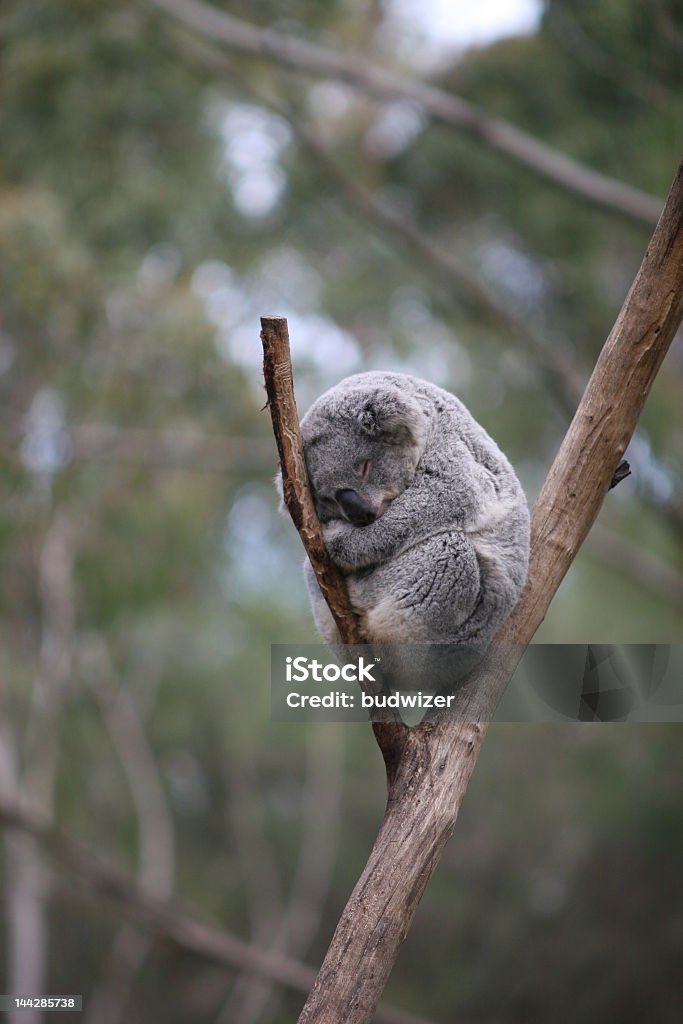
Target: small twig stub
column 620, row 473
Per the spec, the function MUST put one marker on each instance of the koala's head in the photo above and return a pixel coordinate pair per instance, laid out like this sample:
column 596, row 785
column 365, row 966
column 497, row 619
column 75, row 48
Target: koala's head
column 362, row 444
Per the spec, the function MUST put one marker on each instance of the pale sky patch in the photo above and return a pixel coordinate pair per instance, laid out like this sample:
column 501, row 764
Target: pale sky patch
column 445, row 27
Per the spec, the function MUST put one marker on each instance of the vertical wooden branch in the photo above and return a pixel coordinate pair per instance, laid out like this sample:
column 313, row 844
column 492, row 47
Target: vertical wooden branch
column 433, row 762
column 277, row 372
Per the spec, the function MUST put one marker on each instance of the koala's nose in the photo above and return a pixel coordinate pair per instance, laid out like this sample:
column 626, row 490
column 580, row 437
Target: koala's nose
column 357, row 511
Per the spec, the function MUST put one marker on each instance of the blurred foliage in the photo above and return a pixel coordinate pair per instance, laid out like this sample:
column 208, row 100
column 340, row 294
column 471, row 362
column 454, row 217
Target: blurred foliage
column 151, row 206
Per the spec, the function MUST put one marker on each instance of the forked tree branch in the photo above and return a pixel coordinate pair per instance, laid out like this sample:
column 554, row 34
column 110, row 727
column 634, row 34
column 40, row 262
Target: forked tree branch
column 494, row 133
column 429, row 766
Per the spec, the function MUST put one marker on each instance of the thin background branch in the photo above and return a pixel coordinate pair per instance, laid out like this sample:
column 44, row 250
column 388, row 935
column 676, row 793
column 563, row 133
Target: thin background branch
column 496, row 134
column 34, row 764
column 164, row 919
column 156, row 843
column 255, row 1001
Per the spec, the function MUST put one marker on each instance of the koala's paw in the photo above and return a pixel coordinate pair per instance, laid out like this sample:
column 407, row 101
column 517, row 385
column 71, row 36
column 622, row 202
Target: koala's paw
column 338, row 537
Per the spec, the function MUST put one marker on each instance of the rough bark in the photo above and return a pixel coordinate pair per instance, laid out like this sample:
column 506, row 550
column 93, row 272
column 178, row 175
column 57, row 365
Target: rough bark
column 429, row 766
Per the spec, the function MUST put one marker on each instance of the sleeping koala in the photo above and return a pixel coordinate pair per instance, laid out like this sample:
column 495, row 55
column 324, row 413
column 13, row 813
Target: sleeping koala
column 420, row 510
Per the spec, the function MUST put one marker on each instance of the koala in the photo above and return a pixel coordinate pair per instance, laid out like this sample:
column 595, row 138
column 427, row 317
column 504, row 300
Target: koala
column 420, row 510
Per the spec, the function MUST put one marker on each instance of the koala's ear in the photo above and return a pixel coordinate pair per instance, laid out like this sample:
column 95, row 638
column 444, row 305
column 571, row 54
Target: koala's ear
column 397, row 420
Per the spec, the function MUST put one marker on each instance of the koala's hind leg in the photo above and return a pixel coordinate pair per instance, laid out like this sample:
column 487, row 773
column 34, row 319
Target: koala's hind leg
column 424, row 594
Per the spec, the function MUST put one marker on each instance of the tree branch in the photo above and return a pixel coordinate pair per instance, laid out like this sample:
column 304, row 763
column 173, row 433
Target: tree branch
column 494, row 133
column 429, row 766
column 606, row 418
column 277, row 371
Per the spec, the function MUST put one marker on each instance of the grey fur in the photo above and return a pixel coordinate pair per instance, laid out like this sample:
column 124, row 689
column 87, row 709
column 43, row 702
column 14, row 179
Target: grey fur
column 447, row 557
